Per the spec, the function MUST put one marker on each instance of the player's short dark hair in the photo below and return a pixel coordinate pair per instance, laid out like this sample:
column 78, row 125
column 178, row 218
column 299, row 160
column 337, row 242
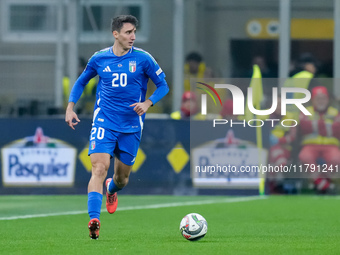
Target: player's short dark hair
column 118, row 22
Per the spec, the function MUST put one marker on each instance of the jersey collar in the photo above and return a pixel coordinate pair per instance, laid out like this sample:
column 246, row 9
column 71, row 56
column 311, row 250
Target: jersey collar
column 130, row 51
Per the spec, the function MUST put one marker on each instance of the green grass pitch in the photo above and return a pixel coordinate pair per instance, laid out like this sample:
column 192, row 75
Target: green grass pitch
column 150, row 225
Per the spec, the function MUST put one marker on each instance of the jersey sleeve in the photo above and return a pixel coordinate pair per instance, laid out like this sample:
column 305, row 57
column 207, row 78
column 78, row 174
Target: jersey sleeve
column 156, row 74
column 88, row 73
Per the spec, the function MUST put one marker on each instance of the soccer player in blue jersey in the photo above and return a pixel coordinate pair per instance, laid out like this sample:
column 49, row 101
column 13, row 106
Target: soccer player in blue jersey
column 119, row 112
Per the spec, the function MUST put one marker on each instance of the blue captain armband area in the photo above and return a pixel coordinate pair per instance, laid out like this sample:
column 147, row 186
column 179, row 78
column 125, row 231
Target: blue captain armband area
column 160, row 92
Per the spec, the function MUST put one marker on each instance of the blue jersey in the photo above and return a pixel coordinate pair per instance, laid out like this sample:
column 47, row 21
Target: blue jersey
column 122, row 82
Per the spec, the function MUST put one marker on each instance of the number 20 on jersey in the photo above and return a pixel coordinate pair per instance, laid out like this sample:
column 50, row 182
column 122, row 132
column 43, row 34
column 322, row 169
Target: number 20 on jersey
column 119, row 79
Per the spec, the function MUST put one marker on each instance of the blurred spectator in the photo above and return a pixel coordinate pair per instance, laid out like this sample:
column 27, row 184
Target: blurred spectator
column 190, row 109
column 195, row 67
column 227, row 110
column 306, row 63
column 189, row 106
column 321, row 130
column 88, row 97
column 320, row 134
column 280, row 147
column 302, row 74
column 266, row 71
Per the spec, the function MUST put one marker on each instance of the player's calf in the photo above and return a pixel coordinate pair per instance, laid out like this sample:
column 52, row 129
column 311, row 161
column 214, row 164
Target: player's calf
column 121, row 180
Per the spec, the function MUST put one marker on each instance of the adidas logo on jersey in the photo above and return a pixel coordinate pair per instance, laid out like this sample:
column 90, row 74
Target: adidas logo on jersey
column 107, row 69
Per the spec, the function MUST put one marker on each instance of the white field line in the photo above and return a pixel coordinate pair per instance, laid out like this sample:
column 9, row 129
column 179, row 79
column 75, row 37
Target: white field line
column 140, row 207
column 320, row 197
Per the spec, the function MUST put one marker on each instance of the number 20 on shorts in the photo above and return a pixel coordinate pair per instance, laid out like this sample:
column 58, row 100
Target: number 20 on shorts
column 100, row 133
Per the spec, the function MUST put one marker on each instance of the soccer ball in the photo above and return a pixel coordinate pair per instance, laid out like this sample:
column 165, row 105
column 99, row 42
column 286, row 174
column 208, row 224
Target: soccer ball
column 193, row 227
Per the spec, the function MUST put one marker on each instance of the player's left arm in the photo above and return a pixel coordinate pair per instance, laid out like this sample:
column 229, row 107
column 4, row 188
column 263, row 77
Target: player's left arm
column 156, row 74
column 160, row 92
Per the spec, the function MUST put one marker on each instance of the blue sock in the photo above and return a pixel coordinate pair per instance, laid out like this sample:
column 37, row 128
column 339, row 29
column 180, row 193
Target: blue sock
column 94, row 204
column 113, row 188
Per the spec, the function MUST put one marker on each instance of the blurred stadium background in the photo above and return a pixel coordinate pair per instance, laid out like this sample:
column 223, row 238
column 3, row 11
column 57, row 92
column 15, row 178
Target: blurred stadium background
column 44, row 44
column 42, row 41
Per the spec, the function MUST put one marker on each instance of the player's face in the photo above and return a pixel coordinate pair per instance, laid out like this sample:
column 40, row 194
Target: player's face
column 126, row 37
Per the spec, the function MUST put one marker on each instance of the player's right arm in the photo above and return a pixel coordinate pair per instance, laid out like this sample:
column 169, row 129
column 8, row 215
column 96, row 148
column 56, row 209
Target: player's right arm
column 78, row 88
column 71, row 115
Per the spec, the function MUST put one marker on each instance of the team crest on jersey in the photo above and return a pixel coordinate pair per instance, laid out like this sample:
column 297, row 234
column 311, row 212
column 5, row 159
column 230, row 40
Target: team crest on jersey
column 132, row 66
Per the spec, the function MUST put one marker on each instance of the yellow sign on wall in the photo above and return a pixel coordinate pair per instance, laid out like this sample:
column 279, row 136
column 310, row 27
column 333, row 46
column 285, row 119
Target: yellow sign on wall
column 178, row 157
column 300, row 28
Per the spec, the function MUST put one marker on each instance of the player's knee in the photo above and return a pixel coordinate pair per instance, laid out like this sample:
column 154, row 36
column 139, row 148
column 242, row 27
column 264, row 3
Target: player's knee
column 99, row 169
